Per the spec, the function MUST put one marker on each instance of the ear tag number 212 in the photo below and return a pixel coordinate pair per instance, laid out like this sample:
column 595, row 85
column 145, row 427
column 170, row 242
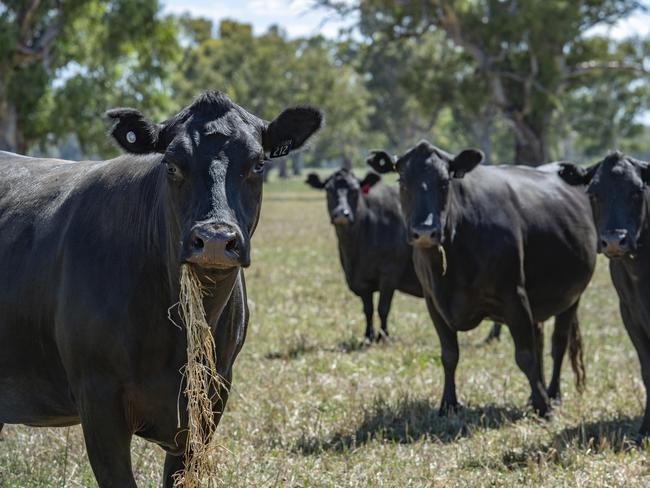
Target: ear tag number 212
column 281, row 149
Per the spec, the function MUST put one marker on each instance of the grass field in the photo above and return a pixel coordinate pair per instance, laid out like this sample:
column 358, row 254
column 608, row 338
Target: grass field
column 310, row 407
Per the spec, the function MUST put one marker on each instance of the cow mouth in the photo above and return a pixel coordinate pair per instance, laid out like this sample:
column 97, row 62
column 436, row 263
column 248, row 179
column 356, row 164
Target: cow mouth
column 425, row 243
column 341, row 221
column 214, row 266
column 616, row 254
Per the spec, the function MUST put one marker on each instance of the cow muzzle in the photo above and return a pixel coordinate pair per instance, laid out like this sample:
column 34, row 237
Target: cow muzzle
column 342, row 217
column 615, row 243
column 424, row 236
column 214, row 246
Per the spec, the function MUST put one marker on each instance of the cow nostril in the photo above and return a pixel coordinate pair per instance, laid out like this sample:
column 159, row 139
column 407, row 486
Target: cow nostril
column 623, row 240
column 231, row 245
column 603, row 243
column 198, row 243
column 415, row 235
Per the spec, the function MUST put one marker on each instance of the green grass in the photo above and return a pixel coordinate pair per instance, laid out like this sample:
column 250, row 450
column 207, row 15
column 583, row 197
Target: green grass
column 311, row 407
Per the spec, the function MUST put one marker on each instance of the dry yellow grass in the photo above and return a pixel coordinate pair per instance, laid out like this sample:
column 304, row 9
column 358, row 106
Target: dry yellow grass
column 202, row 382
column 311, row 407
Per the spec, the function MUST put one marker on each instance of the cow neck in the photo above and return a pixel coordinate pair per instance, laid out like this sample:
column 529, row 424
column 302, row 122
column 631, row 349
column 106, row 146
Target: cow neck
column 349, row 236
column 441, row 259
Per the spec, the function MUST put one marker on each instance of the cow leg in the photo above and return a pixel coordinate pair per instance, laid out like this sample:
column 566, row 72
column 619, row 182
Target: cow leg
column 385, row 300
column 107, row 436
column 523, row 332
column 641, row 343
column 559, row 342
column 173, row 465
column 539, row 342
column 449, row 355
column 494, row 334
column 368, row 310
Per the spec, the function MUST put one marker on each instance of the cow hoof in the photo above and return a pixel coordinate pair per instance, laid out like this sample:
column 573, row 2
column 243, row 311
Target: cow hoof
column 368, row 341
column 544, row 412
column 642, row 440
column 383, row 337
column 556, row 399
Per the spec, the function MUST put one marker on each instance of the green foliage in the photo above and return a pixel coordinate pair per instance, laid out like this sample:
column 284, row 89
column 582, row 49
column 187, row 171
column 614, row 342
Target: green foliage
column 522, row 57
column 104, row 53
column 269, row 72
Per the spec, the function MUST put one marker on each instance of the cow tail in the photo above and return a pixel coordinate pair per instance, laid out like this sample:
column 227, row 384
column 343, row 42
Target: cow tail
column 576, row 355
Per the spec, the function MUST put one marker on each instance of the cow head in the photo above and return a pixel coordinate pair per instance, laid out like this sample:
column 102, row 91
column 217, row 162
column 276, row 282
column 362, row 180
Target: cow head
column 344, row 191
column 425, row 173
column 616, row 187
column 214, row 154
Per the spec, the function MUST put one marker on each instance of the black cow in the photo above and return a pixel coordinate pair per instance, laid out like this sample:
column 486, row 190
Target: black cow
column 372, row 241
column 90, row 254
column 510, row 243
column 618, row 189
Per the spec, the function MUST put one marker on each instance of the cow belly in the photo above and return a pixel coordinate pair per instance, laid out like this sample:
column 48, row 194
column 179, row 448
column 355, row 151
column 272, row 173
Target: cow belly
column 33, row 385
column 25, row 399
column 554, row 284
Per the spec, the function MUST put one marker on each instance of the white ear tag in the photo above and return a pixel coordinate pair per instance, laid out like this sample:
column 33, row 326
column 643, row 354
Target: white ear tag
column 130, row 137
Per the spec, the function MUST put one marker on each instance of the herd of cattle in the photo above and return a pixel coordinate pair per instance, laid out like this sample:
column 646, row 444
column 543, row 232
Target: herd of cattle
column 90, row 254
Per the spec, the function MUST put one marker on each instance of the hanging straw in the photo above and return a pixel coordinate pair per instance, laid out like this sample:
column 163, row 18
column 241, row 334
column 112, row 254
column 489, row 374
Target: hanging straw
column 202, row 386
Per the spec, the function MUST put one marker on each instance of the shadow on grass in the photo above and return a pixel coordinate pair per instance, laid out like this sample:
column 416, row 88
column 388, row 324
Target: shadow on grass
column 611, row 435
column 411, row 420
column 302, row 346
column 292, row 352
column 617, row 434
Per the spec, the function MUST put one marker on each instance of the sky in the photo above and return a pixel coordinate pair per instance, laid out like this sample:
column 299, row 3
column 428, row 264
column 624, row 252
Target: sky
column 299, row 18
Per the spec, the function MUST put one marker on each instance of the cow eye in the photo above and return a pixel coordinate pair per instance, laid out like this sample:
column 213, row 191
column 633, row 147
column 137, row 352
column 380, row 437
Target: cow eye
column 173, row 171
column 259, row 167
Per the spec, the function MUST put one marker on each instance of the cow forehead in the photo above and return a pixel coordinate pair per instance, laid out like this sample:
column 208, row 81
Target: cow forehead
column 420, row 163
column 342, row 180
column 200, row 138
column 214, row 119
column 619, row 170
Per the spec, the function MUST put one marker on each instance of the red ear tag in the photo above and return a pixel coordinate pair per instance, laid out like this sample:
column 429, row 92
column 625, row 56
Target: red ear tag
column 365, row 189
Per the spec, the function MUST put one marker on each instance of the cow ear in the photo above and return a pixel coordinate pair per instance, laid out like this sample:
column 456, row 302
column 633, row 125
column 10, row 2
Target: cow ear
column 290, row 130
column 134, row 132
column 314, row 181
column 465, row 162
column 575, row 175
column 370, row 180
column 381, row 161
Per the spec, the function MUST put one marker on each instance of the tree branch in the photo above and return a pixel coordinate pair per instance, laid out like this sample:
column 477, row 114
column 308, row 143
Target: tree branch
column 40, row 49
column 26, row 21
column 591, row 67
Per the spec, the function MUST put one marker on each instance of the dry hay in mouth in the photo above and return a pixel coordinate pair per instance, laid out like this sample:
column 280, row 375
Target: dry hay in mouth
column 443, row 258
column 202, row 386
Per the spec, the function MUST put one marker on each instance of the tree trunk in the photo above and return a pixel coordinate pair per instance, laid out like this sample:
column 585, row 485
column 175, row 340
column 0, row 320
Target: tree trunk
column 297, row 164
column 282, row 169
column 531, row 146
column 8, row 119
